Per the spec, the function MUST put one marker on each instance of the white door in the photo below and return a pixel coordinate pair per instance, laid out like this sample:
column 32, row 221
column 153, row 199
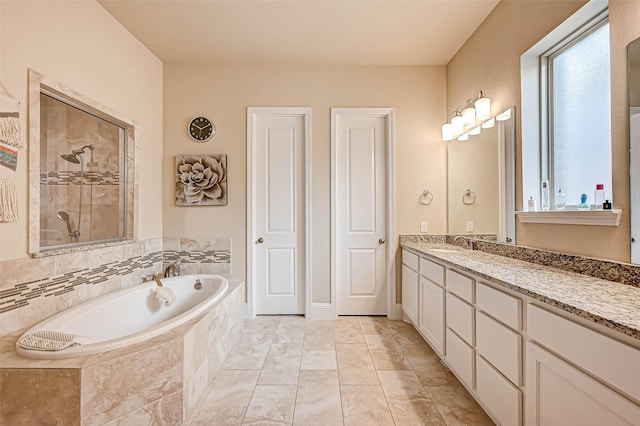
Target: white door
column 277, row 239
column 360, row 142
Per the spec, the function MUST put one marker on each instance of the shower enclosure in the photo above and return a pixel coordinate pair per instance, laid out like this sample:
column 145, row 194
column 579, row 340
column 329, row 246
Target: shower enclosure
column 82, row 164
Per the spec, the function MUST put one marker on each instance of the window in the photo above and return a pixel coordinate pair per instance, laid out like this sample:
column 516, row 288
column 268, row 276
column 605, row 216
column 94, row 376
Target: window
column 578, row 121
column 566, row 109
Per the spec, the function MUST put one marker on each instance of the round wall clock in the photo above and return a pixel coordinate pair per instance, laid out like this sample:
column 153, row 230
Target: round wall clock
column 201, row 129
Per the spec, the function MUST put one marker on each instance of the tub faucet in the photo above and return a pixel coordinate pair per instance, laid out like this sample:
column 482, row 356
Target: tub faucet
column 157, row 278
column 173, row 269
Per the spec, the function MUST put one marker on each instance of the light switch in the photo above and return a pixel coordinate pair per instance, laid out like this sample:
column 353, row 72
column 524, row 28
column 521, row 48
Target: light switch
column 424, row 226
column 469, row 226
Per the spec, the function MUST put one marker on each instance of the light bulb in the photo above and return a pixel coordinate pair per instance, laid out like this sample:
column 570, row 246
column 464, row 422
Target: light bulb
column 464, row 137
column 475, row 131
column 469, row 117
column 458, row 125
column 489, row 123
column 504, row 116
column 447, row 131
column 483, row 107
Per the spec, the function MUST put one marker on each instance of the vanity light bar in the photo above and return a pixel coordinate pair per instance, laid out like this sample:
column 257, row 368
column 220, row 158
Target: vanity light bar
column 467, row 119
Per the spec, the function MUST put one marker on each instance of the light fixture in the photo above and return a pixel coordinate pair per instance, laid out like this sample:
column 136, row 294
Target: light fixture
column 469, row 115
column 504, row 115
column 471, row 118
column 483, row 107
column 458, row 124
column 489, row 123
column 449, row 129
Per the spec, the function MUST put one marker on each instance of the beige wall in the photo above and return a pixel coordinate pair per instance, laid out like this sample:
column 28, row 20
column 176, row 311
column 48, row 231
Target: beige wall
column 490, row 61
column 80, row 45
column 223, row 93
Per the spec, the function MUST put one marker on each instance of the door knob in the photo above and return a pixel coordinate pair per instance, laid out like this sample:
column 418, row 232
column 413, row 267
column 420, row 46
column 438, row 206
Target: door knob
column 260, row 240
column 381, row 241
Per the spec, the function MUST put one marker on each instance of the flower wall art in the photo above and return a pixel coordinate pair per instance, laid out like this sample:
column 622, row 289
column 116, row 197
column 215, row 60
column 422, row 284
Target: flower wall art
column 201, row 180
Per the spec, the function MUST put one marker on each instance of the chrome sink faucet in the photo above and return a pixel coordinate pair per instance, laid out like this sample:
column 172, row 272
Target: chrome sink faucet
column 173, row 269
column 464, row 242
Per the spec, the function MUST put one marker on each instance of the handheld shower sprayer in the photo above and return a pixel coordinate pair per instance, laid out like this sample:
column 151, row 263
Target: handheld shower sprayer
column 64, row 217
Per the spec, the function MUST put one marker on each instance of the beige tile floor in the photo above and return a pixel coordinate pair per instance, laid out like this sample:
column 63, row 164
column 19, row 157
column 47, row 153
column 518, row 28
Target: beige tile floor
column 361, row 371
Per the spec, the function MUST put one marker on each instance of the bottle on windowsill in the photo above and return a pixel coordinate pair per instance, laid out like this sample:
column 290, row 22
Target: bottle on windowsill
column 598, row 199
column 560, row 200
column 606, row 205
column 583, row 203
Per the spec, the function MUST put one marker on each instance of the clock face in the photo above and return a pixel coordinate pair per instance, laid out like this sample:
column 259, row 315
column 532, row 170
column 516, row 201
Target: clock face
column 201, row 129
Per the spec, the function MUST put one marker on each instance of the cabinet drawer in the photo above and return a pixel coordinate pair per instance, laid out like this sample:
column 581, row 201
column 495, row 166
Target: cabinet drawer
column 499, row 396
column 460, row 318
column 611, row 361
column 501, row 346
column 460, row 285
column 432, row 270
column 499, row 305
column 410, row 259
column 460, row 357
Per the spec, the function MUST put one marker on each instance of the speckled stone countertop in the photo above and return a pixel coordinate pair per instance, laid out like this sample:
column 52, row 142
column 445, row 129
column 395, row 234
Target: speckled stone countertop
column 613, row 305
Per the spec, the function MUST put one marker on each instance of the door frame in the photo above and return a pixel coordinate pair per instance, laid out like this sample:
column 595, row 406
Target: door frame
column 393, row 309
column 252, row 114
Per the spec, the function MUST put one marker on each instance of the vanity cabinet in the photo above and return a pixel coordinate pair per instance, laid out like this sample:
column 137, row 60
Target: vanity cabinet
column 410, row 281
column 576, row 375
column 524, row 361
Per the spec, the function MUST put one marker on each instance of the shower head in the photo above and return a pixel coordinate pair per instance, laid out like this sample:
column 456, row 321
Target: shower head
column 64, row 216
column 74, row 157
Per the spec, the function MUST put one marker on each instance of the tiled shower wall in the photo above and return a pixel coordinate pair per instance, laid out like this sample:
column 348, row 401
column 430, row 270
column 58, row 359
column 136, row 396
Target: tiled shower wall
column 34, row 289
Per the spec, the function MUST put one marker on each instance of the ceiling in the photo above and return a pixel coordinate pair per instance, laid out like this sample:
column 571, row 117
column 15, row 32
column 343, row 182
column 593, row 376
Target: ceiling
column 305, row 32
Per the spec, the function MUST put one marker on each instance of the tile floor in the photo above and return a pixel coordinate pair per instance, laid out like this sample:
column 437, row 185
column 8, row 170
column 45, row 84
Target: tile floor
column 352, row 371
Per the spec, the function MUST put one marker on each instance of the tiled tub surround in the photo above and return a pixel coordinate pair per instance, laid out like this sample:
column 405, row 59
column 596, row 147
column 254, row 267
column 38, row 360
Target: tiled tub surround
column 203, row 255
column 159, row 381
column 34, row 289
column 611, row 304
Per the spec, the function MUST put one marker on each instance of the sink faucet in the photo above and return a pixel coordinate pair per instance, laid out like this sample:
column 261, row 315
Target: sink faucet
column 173, row 269
column 461, row 241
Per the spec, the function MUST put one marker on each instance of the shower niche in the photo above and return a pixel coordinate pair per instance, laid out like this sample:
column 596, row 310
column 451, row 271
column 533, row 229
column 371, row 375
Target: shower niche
column 82, row 157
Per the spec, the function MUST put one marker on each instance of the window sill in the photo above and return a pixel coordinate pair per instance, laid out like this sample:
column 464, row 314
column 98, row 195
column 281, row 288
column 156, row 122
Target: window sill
column 573, row 217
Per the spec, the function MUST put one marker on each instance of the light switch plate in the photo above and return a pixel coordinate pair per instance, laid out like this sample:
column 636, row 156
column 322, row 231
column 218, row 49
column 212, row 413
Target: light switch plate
column 424, row 226
column 469, row 226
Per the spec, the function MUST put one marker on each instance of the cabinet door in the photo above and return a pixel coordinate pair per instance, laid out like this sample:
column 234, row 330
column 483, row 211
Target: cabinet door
column 410, row 293
column 432, row 313
column 560, row 394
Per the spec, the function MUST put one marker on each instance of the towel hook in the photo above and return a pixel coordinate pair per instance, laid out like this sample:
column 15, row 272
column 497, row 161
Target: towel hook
column 426, row 197
column 469, row 197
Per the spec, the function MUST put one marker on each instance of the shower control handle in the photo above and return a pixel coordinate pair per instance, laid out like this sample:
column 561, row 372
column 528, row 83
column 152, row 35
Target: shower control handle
column 260, row 240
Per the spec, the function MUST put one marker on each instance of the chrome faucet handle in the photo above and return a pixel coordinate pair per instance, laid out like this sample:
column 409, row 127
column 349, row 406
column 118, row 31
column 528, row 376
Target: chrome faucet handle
column 177, row 267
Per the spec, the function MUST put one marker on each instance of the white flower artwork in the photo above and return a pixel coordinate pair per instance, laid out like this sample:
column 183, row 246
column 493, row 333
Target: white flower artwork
column 201, row 180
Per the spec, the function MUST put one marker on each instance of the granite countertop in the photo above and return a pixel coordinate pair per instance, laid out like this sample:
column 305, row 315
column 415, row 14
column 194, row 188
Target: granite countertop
column 613, row 305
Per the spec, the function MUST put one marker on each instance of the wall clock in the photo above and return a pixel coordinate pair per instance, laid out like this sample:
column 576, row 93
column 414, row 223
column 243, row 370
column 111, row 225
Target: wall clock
column 201, row 129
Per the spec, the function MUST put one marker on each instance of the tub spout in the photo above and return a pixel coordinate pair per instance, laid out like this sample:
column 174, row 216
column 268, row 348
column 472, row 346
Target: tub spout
column 173, row 269
column 157, row 278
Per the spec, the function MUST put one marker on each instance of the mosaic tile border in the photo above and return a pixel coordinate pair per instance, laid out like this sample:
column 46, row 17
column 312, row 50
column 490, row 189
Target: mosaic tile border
column 198, row 256
column 20, row 295
column 78, row 178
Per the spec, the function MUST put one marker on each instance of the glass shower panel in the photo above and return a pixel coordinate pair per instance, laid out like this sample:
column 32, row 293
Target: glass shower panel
column 82, row 157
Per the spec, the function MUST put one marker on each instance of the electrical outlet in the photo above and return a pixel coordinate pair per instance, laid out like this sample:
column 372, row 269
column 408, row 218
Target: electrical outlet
column 424, row 226
column 469, row 226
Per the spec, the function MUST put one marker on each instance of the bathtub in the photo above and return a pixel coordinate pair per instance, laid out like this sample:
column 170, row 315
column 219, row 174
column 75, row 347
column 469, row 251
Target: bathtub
column 129, row 316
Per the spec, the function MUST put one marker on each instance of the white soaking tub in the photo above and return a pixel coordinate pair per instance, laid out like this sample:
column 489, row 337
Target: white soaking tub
column 129, row 316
